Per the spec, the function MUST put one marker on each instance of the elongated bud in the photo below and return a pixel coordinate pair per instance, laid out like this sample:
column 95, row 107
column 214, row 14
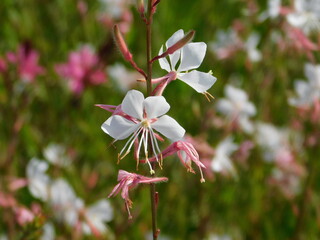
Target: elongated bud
column 140, row 6
column 121, row 43
column 179, row 44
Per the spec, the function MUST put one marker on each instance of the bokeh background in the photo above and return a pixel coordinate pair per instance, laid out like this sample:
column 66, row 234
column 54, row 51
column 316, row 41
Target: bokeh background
column 259, row 137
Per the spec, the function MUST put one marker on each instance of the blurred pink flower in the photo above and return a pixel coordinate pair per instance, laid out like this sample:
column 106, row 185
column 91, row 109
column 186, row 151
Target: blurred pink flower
column 82, row 69
column 128, row 181
column 26, row 60
column 23, row 215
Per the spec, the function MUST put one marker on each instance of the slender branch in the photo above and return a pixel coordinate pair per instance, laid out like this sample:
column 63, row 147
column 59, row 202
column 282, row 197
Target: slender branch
column 153, row 193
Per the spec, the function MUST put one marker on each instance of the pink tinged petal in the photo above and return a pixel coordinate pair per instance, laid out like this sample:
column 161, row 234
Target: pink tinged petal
column 164, row 64
column 153, row 180
column 118, row 127
column 155, row 106
column 169, row 127
column 132, row 104
column 199, row 81
column 192, row 56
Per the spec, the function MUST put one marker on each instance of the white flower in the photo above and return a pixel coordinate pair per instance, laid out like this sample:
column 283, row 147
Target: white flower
column 145, row 115
column 236, row 106
column 221, row 161
column 97, row 215
column 57, row 155
column 190, row 57
column 273, row 140
column 272, row 11
column 123, row 78
column 219, row 237
column 38, row 181
column 309, row 91
column 48, row 232
column 306, row 15
column 250, row 46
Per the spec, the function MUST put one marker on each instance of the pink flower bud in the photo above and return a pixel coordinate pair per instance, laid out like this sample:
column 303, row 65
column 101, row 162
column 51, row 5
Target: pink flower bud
column 121, row 43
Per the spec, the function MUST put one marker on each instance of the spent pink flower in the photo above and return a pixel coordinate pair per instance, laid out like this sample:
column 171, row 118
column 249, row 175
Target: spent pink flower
column 82, row 69
column 128, row 181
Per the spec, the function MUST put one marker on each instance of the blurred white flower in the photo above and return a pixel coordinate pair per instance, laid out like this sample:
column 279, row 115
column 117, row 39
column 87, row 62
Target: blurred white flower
column 273, row 10
column 250, row 47
column 114, row 8
column 274, row 141
column 226, row 43
column 48, row 232
column 97, row 214
column 38, row 181
column 236, row 106
column 190, row 57
column 306, row 15
column 219, row 237
column 123, row 78
column 57, row 155
column 307, row 91
column 3, row 237
column 221, row 161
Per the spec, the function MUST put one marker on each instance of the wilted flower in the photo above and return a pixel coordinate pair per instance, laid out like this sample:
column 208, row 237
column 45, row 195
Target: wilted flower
column 237, row 107
column 308, row 91
column 128, row 181
column 82, row 69
column 221, row 161
column 144, row 116
column 306, row 15
column 190, row 57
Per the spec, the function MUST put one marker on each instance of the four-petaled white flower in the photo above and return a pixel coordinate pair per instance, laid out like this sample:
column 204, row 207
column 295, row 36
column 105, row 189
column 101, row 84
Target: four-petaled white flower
column 307, row 92
column 145, row 116
column 190, row 56
column 236, row 106
column 306, row 15
column 221, row 161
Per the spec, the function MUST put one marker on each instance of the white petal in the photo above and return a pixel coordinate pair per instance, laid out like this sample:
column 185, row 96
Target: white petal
column 296, row 19
column 192, row 56
column 169, row 127
column 101, row 210
column 235, row 94
column 199, row 81
column 155, row 106
column 118, row 127
column 164, row 64
column 132, row 104
column 249, row 109
column 175, row 38
column 174, row 58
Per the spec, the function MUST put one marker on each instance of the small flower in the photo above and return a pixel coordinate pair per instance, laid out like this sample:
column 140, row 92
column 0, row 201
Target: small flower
column 190, row 57
column 273, row 10
column 128, row 181
column 237, row 107
column 57, row 155
column 306, row 15
column 38, row 181
column 186, row 153
column 49, row 232
column 144, row 116
column 82, row 69
column 26, row 60
column 250, row 47
column 221, row 161
column 308, row 92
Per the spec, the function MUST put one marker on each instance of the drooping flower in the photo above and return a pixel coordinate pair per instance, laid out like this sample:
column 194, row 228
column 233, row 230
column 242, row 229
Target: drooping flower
column 236, row 106
column 221, row 161
column 307, row 91
column 82, row 69
column 128, row 181
column 144, row 116
column 190, row 57
column 306, row 15
column 186, row 153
